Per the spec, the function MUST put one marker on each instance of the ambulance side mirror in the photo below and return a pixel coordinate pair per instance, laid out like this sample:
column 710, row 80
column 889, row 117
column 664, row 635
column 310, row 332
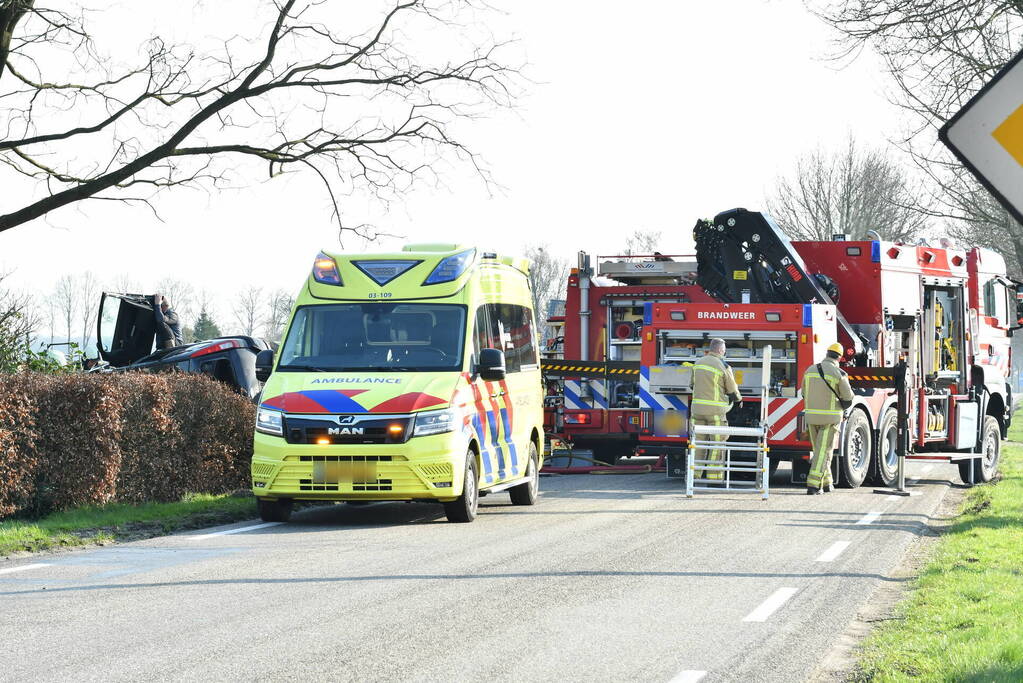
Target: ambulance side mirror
column 491, row 366
column 264, row 364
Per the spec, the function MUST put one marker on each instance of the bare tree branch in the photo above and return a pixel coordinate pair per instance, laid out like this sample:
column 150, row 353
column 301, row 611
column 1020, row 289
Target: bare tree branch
column 363, row 112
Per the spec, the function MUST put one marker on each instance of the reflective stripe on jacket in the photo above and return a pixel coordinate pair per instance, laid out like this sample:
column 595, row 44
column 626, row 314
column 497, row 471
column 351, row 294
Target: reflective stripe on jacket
column 820, row 403
column 712, row 382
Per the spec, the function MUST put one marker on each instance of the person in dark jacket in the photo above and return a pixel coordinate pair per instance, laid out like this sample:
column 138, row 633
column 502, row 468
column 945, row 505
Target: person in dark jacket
column 168, row 327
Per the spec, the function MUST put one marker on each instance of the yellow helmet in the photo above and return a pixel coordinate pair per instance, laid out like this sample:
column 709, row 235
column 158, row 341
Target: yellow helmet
column 837, row 348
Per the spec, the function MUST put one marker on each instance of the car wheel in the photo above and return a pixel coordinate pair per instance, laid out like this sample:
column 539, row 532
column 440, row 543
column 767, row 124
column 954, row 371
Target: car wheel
column 525, row 494
column 884, row 468
column 856, row 448
column 984, row 468
column 464, row 508
column 275, row 510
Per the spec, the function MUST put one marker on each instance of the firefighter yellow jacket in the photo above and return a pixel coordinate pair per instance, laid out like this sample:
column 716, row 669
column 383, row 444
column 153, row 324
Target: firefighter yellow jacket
column 821, row 405
column 712, row 383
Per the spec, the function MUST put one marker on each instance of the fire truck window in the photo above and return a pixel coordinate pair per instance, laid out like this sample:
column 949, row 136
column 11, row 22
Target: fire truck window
column 996, row 302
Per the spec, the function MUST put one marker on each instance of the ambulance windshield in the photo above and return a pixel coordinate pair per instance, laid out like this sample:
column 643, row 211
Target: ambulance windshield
column 375, row 337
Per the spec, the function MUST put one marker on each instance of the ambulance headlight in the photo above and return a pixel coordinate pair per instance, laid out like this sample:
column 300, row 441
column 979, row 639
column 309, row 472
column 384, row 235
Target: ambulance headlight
column 451, row 267
column 269, row 421
column 435, row 422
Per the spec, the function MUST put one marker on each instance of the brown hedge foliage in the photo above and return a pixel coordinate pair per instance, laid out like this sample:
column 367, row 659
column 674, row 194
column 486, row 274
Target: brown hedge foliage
column 68, row 440
column 17, row 456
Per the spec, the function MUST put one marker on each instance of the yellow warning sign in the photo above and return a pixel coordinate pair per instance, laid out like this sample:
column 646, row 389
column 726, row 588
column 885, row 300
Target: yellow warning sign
column 1010, row 135
column 739, row 274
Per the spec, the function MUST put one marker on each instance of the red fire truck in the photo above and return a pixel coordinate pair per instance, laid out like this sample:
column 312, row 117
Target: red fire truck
column 594, row 398
column 947, row 313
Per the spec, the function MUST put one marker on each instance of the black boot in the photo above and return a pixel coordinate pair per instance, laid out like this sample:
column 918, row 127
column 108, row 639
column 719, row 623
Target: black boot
column 813, row 492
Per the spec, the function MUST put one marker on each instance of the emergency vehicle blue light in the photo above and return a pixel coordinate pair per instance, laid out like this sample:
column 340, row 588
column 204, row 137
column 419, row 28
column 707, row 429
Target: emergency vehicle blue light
column 807, row 315
column 451, row 268
column 875, row 252
column 648, row 313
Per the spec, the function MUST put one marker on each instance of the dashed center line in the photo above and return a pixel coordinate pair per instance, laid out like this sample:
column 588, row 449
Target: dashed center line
column 834, row 551
column 869, row 518
column 228, row 532
column 688, row 676
column 771, row 605
column 11, row 570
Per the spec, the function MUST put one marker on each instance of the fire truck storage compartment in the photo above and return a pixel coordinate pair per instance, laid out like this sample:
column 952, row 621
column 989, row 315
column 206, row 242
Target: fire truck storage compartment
column 943, row 340
column 935, row 417
column 967, row 413
column 744, row 353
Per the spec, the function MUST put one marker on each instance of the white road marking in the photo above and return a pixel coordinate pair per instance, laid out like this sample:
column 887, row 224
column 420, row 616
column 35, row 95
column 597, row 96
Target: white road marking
column 892, row 497
column 239, row 530
column 11, row 570
column 771, row 605
column 834, row 551
column 869, row 518
column 688, row 676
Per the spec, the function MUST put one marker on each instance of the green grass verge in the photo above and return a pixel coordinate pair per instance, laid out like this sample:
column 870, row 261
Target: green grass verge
column 964, row 619
column 121, row 521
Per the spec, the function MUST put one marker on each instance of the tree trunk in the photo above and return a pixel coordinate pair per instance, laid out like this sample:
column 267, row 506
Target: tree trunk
column 11, row 12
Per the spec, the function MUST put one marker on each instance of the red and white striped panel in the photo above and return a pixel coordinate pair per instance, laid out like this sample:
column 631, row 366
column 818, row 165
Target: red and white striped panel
column 782, row 418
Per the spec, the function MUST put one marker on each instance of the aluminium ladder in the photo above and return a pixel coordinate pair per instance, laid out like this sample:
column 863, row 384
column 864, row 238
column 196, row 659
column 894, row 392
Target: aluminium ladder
column 703, row 437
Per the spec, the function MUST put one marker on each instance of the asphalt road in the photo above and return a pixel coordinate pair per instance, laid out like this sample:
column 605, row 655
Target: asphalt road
column 607, row 578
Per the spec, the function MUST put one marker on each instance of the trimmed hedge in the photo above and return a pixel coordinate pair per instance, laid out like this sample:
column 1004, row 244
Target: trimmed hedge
column 70, row 440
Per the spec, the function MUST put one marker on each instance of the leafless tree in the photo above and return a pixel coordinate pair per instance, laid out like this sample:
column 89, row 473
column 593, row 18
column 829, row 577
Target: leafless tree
column 65, row 299
column 851, row 191
column 362, row 104
column 644, row 242
column 548, row 278
column 88, row 291
column 280, row 303
column 125, row 283
column 18, row 323
column 939, row 53
column 248, row 310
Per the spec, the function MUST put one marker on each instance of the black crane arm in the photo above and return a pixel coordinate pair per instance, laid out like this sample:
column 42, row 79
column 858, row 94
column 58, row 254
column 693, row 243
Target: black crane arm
column 746, row 250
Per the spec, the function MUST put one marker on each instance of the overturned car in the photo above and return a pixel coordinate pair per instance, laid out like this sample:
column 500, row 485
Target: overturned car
column 126, row 330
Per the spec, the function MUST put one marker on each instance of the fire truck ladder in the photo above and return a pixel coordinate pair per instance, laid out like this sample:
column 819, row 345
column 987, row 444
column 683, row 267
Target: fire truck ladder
column 704, row 437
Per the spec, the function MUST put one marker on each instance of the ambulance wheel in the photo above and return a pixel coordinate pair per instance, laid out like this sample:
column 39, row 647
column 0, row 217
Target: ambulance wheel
column 984, row 468
column 525, row 494
column 465, row 507
column 884, row 469
column 275, row 510
column 855, row 461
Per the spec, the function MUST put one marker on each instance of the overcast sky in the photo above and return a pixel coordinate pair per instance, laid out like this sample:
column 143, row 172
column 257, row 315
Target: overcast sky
column 644, row 115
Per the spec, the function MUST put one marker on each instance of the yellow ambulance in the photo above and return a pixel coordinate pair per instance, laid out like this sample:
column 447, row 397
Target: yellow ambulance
column 405, row 376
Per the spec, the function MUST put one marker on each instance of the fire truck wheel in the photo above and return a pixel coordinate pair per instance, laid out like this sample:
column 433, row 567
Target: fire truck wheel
column 885, row 467
column 464, row 508
column 856, row 447
column 525, row 494
column 984, row 469
column 275, row 510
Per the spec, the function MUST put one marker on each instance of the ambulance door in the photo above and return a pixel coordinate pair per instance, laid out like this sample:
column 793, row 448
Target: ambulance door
column 523, row 398
column 488, row 398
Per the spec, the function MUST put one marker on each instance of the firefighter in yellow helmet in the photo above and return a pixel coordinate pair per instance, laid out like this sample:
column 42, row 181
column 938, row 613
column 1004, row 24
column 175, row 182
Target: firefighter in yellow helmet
column 714, row 393
column 826, row 396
